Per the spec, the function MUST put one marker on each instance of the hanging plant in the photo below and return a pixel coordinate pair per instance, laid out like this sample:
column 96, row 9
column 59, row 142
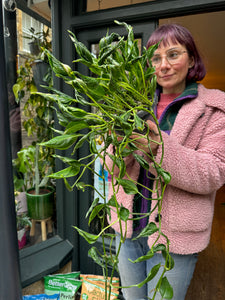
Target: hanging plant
column 107, row 108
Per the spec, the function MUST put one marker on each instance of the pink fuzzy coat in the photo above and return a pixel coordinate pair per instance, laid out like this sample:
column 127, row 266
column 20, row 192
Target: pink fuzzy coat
column 194, row 155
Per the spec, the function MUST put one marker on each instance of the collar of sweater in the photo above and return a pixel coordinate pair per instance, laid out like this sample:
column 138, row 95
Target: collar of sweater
column 169, row 114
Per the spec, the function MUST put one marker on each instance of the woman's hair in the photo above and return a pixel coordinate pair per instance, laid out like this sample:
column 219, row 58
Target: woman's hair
column 179, row 34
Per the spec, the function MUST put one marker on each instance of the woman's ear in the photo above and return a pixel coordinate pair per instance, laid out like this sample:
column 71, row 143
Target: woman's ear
column 191, row 62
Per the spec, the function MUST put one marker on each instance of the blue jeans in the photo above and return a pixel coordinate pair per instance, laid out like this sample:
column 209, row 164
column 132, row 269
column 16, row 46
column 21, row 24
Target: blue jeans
column 179, row 277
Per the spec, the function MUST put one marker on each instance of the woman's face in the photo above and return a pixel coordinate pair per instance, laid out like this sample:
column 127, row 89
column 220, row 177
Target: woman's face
column 172, row 63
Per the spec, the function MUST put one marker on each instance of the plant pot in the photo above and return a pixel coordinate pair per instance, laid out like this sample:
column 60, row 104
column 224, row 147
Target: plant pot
column 34, row 48
column 40, row 206
column 21, row 235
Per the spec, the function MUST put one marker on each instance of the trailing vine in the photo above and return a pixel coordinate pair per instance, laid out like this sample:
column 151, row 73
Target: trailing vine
column 107, row 108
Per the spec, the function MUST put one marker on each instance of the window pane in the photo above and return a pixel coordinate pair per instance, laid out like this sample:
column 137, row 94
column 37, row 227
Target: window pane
column 36, row 121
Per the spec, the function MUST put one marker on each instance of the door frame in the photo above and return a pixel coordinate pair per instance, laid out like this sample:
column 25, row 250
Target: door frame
column 89, row 27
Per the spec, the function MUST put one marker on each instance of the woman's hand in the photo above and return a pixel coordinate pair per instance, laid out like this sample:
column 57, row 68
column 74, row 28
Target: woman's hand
column 141, row 141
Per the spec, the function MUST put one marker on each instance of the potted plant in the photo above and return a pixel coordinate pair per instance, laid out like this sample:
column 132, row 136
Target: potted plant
column 32, row 167
column 108, row 105
column 22, row 222
column 35, row 70
column 38, row 40
column 40, row 67
column 40, row 197
column 38, row 119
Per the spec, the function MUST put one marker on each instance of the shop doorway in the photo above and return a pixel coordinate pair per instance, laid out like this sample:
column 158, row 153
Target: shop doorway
column 208, row 31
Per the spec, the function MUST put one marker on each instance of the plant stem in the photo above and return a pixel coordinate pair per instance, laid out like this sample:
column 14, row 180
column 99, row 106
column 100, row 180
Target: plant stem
column 37, row 175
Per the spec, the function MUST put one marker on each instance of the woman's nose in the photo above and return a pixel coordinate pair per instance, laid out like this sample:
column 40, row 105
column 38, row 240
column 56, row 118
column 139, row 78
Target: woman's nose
column 164, row 62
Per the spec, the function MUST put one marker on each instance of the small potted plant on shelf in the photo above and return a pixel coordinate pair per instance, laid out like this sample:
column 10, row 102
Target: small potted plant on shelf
column 105, row 106
column 22, row 222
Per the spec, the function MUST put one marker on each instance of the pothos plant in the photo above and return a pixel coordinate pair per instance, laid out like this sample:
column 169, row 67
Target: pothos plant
column 107, row 104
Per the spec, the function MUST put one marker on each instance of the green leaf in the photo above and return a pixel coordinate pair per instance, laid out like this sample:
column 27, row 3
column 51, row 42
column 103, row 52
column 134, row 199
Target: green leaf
column 68, row 160
column 169, row 260
column 112, row 201
column 151, row 275
column 81, row 186
column 103, row 55
column 125, row 152
column 81, row 141
column 159, row 247
column 95, row 212
column 122, row 168
column 107, row 40
column 16, row 90
column 93, row 204
column 75, row 126
column 93, row 121
column 142, row 162
column 78, row 112
column 93, row 253
column 165, row 175
column 82, row 50
column 149, row 255
column 130, row 38
column 166, row 289
column 58, row 68
column 153, row 86
column 139, row 123
column 148, row 230
column 93, row 147
column 90, row 238
column 61, row 142
column 129, row 187
column 93, row 85
column 127, row 127
column 124, row 213
column 68, row 186
column 65, row 173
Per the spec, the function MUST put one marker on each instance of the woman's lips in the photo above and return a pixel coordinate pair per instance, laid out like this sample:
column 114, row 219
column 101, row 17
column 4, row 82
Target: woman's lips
column 166, row 76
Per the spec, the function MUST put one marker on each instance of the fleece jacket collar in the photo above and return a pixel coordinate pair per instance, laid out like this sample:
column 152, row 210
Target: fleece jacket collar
column 168, row 117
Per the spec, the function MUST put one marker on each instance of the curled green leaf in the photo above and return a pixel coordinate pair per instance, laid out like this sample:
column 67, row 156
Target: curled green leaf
column 129, row 187
column 148, row 230
column 165, row 175
column 90, row 238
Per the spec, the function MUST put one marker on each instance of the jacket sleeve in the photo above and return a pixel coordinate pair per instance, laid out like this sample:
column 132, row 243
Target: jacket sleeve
column 200, row 170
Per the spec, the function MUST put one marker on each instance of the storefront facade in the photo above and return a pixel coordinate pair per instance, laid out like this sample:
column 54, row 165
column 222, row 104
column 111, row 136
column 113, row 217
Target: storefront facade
column 90, row 20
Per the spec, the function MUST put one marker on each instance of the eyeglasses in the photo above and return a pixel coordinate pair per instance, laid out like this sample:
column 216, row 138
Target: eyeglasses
column 172, row 56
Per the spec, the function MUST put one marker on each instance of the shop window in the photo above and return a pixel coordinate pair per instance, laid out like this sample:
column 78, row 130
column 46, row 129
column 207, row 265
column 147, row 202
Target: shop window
column 36, row 118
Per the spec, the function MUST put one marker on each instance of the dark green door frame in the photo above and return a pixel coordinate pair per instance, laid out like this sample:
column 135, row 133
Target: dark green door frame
column 89, row 27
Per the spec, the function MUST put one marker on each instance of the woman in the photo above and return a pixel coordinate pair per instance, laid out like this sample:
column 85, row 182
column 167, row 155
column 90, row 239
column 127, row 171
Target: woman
column 192, row 120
